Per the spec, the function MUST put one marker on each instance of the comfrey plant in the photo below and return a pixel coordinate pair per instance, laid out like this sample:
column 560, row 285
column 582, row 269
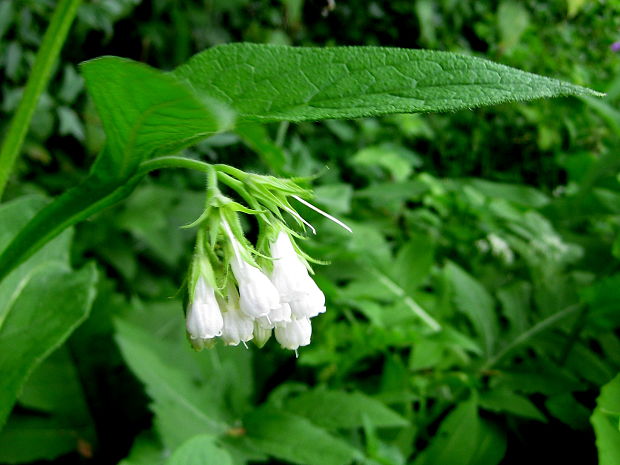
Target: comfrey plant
column 238, row 291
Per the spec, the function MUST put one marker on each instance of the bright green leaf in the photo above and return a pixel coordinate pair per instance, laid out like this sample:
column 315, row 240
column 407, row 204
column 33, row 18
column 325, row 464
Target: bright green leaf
column 200, row 450
column 146, row 112
column 281, row 83
column 606, row 422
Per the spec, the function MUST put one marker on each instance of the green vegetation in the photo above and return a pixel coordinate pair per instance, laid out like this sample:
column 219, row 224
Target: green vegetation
column 472, row 316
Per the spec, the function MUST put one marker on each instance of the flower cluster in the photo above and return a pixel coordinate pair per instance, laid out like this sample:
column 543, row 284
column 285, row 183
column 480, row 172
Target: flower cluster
column 240, row 292
column 284, row 301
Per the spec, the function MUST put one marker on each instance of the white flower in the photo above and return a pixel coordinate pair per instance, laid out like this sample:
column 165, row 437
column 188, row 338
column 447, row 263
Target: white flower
column 258, row 295
column 294, row 334
column 204, row 319
column 291, row 278
column 238, row 327
column 276, row 317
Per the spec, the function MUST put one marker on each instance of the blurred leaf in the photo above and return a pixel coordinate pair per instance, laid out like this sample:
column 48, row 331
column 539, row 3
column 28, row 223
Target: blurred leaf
column 280, row 83
column 606, row 422
column 473, row 300
column 339, row 409
column 464, row 438
column 516, row 306
column 413, row 263
column 504, row 400
column 512, row 21
column 200, row 450
column 521, row 195
column 397, row 160
column 565, row 408
column 26, row 439
column 70, row 123
column 257, row 138
column 295, row 439
column 335, row 197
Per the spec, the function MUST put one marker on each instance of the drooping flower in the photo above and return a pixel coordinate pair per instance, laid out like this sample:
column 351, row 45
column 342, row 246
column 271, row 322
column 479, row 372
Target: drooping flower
column 291, row 278
column 294, row 334
column 238, row 327
column 258, row 294
column 204, row 319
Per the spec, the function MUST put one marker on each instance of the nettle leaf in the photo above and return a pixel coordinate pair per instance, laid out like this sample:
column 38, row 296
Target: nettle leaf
column 146, row 112
column 606, row 422
column 281, row 83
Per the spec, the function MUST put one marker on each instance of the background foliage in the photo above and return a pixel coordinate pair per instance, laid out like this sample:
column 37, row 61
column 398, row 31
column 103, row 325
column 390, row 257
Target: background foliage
column 473, row 315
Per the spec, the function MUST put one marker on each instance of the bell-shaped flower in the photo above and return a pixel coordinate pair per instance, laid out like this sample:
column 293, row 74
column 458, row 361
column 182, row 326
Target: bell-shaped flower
column 258, row 294
column 276, row 317
column 238, row 327
column 204, row 320
column 294, row 334
column 291, row 278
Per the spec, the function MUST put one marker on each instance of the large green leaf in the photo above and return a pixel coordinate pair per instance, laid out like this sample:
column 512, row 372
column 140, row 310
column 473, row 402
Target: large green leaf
column 606, row 422
column 53, row 302
column 280, row 83
column 295, row 439
column 339, row 409
column 146, row 112
column 41, row 302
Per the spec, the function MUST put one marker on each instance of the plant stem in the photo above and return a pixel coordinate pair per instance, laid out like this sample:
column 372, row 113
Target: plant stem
column 530, row 333
column 46, row 57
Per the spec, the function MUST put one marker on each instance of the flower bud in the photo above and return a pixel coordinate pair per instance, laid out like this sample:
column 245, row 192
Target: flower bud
column 261, row 335
column 204, row 319
column 294, row 334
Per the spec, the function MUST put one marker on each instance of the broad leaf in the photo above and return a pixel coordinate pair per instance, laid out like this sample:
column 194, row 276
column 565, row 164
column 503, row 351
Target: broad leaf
column 280, row 83
column 53, row 302
column 146, row 112
column 606, row 422
column 339, row 409
column 295, row 439
column 41, row 302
